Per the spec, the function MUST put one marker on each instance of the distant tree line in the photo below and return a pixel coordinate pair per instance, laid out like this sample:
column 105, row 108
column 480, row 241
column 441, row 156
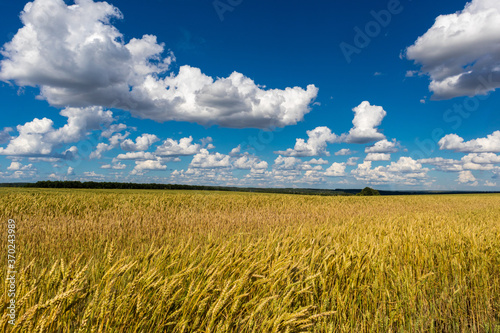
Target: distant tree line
column 154, row 186
column 113, row 185
column 367, row 191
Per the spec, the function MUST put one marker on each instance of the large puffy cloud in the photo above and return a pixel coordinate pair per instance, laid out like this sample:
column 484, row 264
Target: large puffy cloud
column 78, row 58
column 367, row 118
column 294, row 163
column 114, row 128
column 215, row 176
column 443, row 164
column 466, row 177
column 291, row 169
column 114, row 141
column 27, row 174
column 481, row 161
column 169, row 150
column 381, row 150
column 68, row 49
column 315, row 144
column 406, row 171
column 217, row 168
column 351, row 161
column 149, row 165
column 38, row 137
column 206, row 160
column 408, row 166
column 30, row 139
column 80, row 121
column 377, row 157
column 115, row 166
column 482, row 158
column 236, row 151
column 317, row 161
column 183, row 147
column 87, row 174
column 136, row 156
column 383, row 146
column 489, row 144
column 287, row 163
column 14, row 166
column 461, row 51
column 143, row 142
column 343, row 152
column 249, row 163
column 336, row 170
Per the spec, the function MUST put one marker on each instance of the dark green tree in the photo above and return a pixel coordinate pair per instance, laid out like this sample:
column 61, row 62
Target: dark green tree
column 368, row 191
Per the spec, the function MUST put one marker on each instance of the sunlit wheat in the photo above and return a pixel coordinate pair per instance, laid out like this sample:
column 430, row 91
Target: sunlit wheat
column 179, row 261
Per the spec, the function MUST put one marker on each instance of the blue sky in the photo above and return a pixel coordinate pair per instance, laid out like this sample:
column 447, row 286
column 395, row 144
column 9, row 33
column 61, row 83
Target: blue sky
column 390, row 94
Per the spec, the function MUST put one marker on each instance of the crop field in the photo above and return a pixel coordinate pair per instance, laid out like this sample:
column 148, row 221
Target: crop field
column 187, row 261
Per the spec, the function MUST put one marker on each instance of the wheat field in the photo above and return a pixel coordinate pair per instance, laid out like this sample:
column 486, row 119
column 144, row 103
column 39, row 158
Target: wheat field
column 186, row 261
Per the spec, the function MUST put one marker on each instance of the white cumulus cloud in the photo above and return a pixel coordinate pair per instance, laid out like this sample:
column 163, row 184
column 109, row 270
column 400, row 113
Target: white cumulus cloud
column 136, row 155
column 343, row 152
column 378, row 157
column 102, row 147
column 235, row 151
column 336, row 170
column 473, row 161
column 294, row 163
column 383, row 146
column 317, row 161
column 148, row 165
column 466, row 177
column 115, row 166
column 14, row 166
column 38, row 137
column 315, row 144
column 405, row 171
column 206, row 160
column 249, row 162
column 351, row 161
column 367, row 118
column 143, row 142
column 461, row 51
column 183, row 147
column 78, row 58
column 489, row 144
